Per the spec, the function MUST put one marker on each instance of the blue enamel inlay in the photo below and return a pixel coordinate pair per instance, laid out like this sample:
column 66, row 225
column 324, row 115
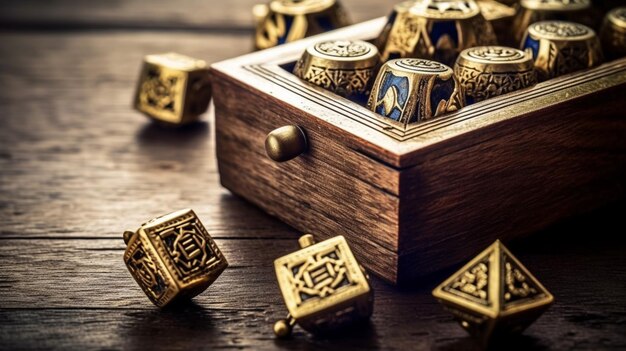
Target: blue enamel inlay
column 288, row 23
column 440, row 29
column 325, row 23
column 442, row 90
column 392, row 96
column 532, row 44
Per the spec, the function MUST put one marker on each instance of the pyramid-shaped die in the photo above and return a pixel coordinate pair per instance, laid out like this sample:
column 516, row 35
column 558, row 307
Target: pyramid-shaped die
column 494, row 294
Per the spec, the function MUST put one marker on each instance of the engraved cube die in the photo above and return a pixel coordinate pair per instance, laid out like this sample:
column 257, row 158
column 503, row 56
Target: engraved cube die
column 173, row 88
column 173, row 257
column 494, row 295
column 323, row 286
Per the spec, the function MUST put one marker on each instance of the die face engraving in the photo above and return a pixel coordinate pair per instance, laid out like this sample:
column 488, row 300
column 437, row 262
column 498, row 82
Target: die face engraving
column 161, row 92
column 472, row 284
column 343, row 48
column 320, row 278
column 144, row 268
column 494, row 293
column 186, row 247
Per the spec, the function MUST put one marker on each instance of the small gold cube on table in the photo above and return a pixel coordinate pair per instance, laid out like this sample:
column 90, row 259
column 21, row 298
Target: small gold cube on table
column 173, row 257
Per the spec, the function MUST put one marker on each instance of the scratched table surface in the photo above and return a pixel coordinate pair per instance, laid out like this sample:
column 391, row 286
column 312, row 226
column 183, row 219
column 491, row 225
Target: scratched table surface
column 78, row 167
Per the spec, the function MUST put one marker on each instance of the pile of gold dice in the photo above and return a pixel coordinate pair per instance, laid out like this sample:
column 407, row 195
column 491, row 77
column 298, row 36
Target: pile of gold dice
column 437, row 56
column 432, row 57
column 173, row 257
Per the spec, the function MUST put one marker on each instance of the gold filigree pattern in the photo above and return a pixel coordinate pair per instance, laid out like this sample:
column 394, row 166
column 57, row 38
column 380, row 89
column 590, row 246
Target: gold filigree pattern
column 143, row 268
column 319, row 276
column 516, row 285
column 556, row 5
column 481, row 85
column 559, row 30
column 343, row 48
column 473, row 282
column 342, row 81
column 419, row 65
column 159, row 90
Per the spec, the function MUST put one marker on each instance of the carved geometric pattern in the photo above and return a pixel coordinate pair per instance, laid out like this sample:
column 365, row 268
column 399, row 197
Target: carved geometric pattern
column 340, row 80
column 472, row 283
column 319, row 276
column 562, row 5
column 484, row 85
column 342, row 48
column 559, row 30
column 159, row 90
column 143, row 268
column 492, row 283
column 187, row 248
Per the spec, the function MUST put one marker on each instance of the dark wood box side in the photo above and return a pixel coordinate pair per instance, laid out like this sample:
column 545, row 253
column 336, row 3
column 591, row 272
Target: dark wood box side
column 309, row 193
column 535, row 170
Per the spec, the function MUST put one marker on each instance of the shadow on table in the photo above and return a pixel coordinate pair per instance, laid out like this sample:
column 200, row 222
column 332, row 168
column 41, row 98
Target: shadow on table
column 361, row 336
column 191, row 135
column 513, row 343
column 182, row 324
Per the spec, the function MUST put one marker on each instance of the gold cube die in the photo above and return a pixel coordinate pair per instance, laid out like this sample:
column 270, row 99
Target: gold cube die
column 324, row 287
column 173, row 257
column 173, row 88
column 494, row 295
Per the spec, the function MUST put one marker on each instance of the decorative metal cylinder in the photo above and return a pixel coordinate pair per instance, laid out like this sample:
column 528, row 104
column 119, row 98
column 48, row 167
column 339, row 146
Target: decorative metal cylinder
column 345, row 67
column 412, row 90
column 434, row 29
column 284, row 21
column 561, row 47
column 532, row 11
column 489, row 71
column 613, row 33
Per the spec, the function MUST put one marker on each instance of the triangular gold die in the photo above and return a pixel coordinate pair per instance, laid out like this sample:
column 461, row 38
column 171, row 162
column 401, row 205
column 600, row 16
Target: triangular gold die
column 493, row 287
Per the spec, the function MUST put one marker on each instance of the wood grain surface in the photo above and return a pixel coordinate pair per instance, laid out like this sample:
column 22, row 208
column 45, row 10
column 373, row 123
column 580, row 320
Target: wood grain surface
column 78, row 167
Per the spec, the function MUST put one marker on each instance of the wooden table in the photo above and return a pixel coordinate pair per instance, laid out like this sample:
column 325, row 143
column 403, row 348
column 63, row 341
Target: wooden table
column 78, row 167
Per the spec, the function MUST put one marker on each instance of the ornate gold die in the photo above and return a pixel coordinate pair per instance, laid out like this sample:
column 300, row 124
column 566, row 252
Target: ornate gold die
column 173, row 88
column 345, row 67
column 613, row 33
column 173, row 257
column 532, row 11
column 434, row 29
column 323, row 286
column 412, row 90
column 561, row 47
column 284, row 21
column 489, row 71
column 494, row 295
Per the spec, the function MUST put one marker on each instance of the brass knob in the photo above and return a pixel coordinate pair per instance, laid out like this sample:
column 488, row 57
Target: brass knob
column 285, row 143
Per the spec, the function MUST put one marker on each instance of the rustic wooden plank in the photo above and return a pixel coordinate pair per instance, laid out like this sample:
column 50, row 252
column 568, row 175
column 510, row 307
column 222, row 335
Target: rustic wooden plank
column 77, row 293
column 76, row 160
column 137, row 14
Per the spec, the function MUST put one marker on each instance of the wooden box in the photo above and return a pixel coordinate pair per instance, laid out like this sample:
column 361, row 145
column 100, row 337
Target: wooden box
column 414, row 200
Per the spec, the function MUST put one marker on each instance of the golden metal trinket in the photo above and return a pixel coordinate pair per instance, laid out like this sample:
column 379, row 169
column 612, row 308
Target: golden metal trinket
column 412, row 90
column 532, row 11
column 561, row 47
column 489, row 71
column 613, row 33
column 173, row 88
column 284, row 21
column 173, row 257
column 434, row 29
column 494, row 295
column 323, row 286
column 345, row 67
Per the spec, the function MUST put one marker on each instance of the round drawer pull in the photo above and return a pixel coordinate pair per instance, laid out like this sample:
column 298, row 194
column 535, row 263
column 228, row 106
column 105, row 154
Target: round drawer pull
column 285, row 143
